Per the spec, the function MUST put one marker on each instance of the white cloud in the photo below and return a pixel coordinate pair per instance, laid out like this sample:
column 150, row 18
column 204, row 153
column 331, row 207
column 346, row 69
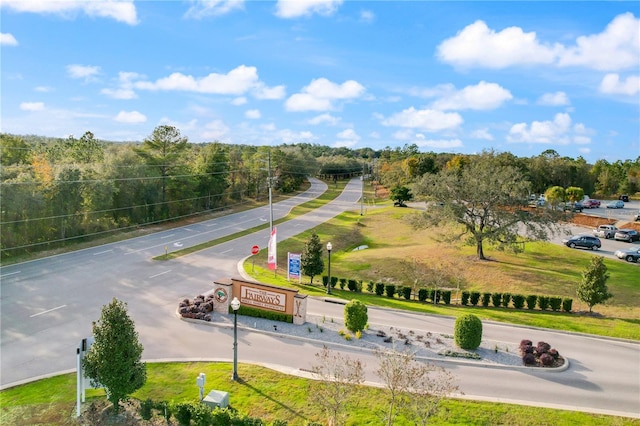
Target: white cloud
column 121, row 10
column 425, row 119
column 263, row 92
column 215, row 130
column 320, row 94
column 86, row 72
column 477, row 45
column 125, row 86
column 236, row 82
column 554, row 99
column 241, row 100
column 367, row 16
column 482, row 134
column 7, row 39
column 119, row 93
column 205, row 8
column 32, row 106
column 616, row 48
column 611, row 84
column 297, row 8
column 557, row 131
column 130, row 117
column 253, row 114
column 324, row 119
column 347, row 138
column 43, row 89
column 483, row 96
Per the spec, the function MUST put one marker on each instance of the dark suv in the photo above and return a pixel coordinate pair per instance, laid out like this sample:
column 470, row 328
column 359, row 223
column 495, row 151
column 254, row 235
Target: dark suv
column 624, row 198
column 584, row 241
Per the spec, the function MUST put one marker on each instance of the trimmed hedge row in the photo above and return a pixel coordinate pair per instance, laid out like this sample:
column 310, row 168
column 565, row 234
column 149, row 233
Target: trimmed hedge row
column 518, row 301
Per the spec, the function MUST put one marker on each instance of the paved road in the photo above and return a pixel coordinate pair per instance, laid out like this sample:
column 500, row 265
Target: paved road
column 48, row 305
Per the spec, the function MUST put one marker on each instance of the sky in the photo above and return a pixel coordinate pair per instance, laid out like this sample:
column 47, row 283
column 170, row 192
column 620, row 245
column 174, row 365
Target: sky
column 457, row 77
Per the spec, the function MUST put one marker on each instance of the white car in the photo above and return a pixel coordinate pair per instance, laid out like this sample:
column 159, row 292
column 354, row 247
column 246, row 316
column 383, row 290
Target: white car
column 632, row 254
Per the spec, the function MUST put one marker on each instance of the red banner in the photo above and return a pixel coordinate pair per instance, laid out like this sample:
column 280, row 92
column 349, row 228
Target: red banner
column 271, row 251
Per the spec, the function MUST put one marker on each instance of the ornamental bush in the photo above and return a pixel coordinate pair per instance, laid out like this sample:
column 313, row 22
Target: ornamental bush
column 555, row 303
column 379, row 289
column 486, row 298
column 390, row 290
column 529, row 359
column 434, row 296
column 355, row 316
column 531, row 301
column 468, row 331
column 475, row 298
column 422, row 294
column 546, row 359
column 506, row 298
column 352, row 285
column 343, row 283
column 464, row 300
column 496, row 299
column 566, row 304
column 370, row 286
column 543, row 302
column 518, row 301
column 334, row 282
column 406, row 292
column 446, row 297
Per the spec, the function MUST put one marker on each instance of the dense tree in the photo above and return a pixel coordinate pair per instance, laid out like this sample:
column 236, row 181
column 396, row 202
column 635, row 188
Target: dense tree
column 13, row 150
column 555, row 195
column 592, row 289
column 113, row 360
column 400, row 194
column 486, row 200
column 573, row 193
column 311, row 261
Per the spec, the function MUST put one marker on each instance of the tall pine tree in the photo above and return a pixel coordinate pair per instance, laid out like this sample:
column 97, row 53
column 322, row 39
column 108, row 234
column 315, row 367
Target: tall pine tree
column 113, row 361
column 311, row 260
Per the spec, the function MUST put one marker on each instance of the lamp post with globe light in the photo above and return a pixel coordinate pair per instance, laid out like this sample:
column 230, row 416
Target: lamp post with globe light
column 235, row 305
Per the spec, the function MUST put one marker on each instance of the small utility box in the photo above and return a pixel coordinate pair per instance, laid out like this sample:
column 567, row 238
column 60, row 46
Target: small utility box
column 217, row 398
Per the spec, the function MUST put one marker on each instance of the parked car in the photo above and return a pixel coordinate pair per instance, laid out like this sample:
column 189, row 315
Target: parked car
column 624, row 197
column 573, row 207
column 584, row 241
column 605, row 231
column 632, row 254
column 616, row 205
column 637, row 216
column 628, row 235
column 591, row 204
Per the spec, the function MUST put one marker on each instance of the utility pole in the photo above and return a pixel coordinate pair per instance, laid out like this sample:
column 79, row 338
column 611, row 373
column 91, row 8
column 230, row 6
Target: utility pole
column 362, row 190
column 270, row 184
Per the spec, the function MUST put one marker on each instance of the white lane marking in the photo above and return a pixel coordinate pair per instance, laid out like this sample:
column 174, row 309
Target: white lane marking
column 44, row 312
column 102, row 252
column 178, row 244
column 10, row 273
column 226, row 251
column 188, row 229
column 161, row 273
column 167, row 236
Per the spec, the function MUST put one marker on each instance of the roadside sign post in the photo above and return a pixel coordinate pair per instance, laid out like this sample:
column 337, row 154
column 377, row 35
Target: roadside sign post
column 254, row 250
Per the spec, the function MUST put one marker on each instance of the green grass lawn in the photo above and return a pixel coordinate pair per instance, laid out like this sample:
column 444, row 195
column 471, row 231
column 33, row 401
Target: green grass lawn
column 266, row 394
column 543, row 269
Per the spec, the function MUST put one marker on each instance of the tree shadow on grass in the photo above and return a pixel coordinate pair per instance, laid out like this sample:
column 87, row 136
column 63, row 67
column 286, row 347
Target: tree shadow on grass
column 270, row 398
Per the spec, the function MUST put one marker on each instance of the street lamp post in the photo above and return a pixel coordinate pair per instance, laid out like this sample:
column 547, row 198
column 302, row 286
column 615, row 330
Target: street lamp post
column 329, row 247
column 235, row 305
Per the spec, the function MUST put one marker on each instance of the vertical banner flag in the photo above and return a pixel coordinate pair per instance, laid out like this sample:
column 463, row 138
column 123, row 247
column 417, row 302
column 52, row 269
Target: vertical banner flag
column 271, row 251
column 293, row 271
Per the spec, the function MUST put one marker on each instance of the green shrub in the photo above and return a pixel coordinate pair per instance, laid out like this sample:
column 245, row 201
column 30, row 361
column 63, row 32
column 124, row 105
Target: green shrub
column 464, row 299
column 343, row 283
column 261, row 313
column 475, row 298
column 555, row 303
column 379, row 289
column 446, row 297
column 543, row 302
column 370, row 286
column 390, row 290
column 352, row 285
column 506, row 298
column 468, row 331
column 146, row 407
column 355, row 316
column 278, row 422
column 496, row 299
column 422, row 294
column 518, row 301
column 201, row 415
column 334, row 282
column 359, row 286
column 325, row 280
column 566, row 304
column 406, row 292
column 531, row 301
column 434, row 296
column 486, row 297
column 182, row 413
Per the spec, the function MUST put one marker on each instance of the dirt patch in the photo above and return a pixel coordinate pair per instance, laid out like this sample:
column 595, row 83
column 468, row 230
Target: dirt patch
column 595, row 221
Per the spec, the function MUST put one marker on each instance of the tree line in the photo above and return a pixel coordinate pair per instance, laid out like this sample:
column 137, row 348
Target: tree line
column 55, row 190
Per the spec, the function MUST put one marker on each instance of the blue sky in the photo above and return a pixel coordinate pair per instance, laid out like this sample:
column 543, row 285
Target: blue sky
column 456, row 77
